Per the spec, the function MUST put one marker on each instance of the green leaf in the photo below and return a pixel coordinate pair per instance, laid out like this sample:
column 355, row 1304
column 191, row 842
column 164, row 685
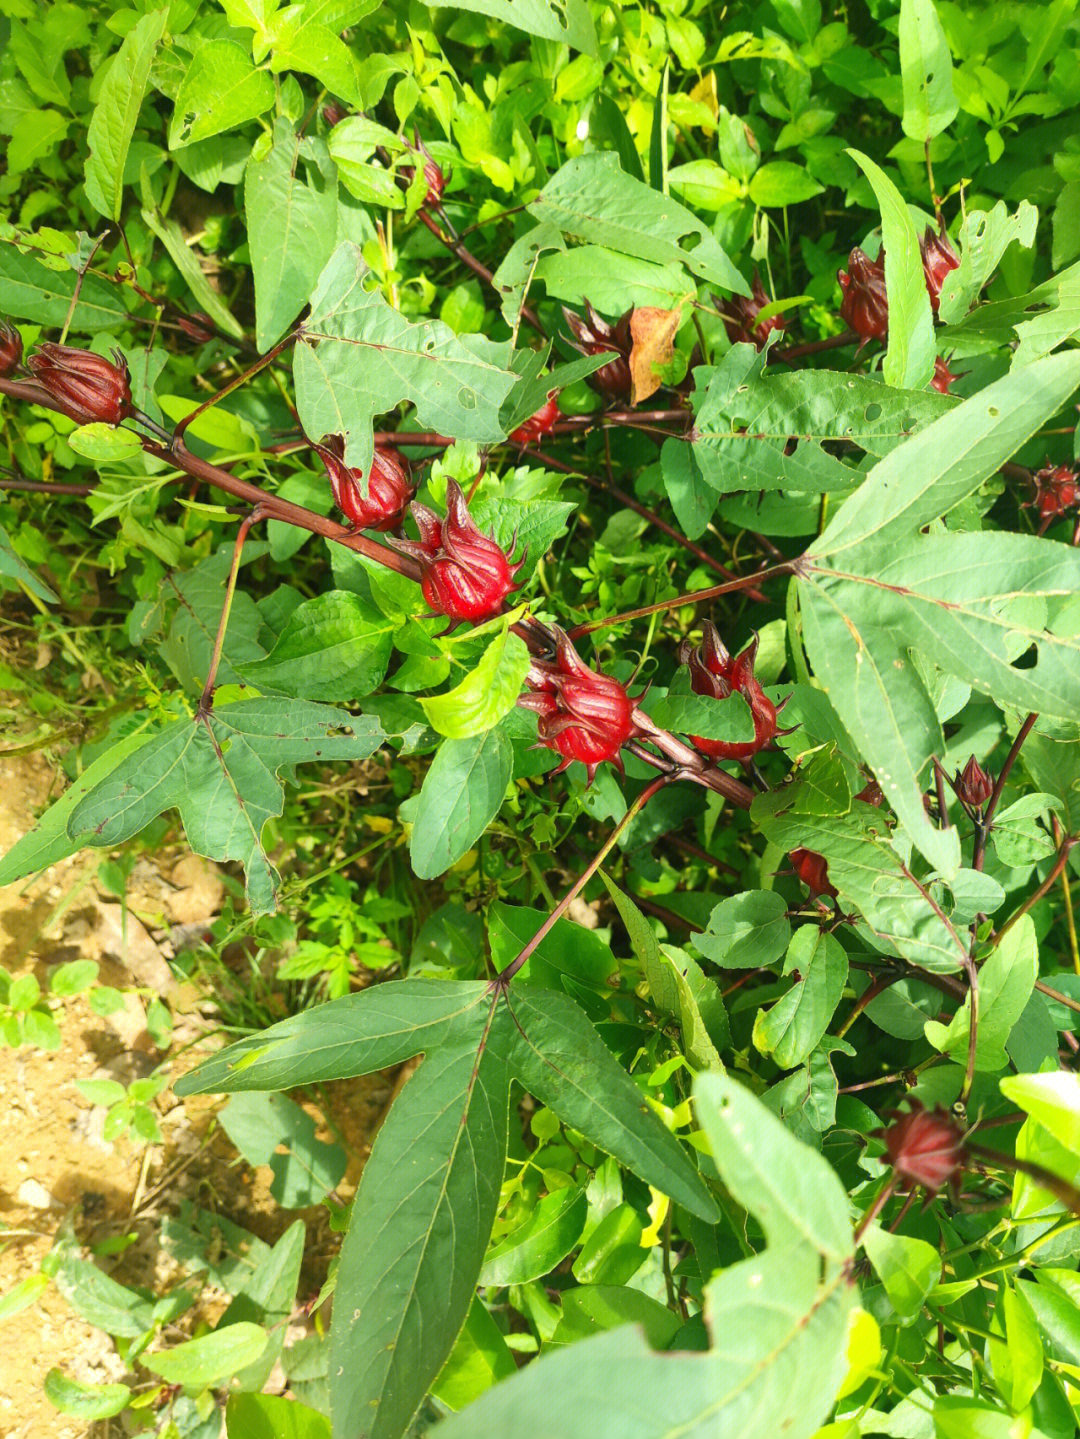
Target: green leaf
column 562, row 1062
column 613, row 1253
column 220, row 771
column 199, row 1362
column 541, row 1242
column 984, row 237
column 48, row 842
column 358, row 357
column 419, row 1228
column 314, row 49
column 746, row 419
column 334, row 647
column 595, row 1307
column 704, row 717
column 479, row 1359
column 592, row 199
column 85, row 1401
column 272, row 1416
column 486, row 694
column 780, row 183
column 101, row 1301
column 44, row 296
column 796, row 1024
column 568, row 21
column 221, row 89
column 926, row 68
column 1053, row 1099
column 461, row 794
column 611, row 280
column 581, row 954
column 909, row 359
column 270, row 1129
column 376, row 1028
column 1017, row 1358
column 908, row 1268
column 195, row 598
column 15, row 567
column 778, row 1321
column 104, row 444
column 28, row 1291
column 186, row 261
column 292, row 226
column 747, row 931
column 116, row 113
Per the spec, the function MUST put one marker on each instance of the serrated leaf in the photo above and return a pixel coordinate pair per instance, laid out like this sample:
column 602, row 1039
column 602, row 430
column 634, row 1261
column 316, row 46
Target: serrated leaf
column 221, row 88
column 334, row 647
column 292, row 226
column 909, row 358
column 727, row 719
column 485, row 695
column 591, row 198
column 358, row 357
column 1006, row 981
column 461, row 794
column 220, row 771
column 116, row 113
column 568, row 21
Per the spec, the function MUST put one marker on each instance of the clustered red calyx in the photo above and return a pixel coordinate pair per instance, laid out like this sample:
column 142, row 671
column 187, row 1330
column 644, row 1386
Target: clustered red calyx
column 84, row 386
column 1057, row 489
column 582, row 714
column 943, row 376
column 389, row 488
column 740, row 317
column 464, row 574
column 865, row 304
column 925, row 1146
column 11, row 348
column 973, row 785
column 594, row 336
column 813, row 869
column 713, row 671
column 542, row 423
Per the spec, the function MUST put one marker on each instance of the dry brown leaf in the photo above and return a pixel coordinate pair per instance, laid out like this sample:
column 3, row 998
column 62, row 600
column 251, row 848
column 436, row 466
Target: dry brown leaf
column 653, row 334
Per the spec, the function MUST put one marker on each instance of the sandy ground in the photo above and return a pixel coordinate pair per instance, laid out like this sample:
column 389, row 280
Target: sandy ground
column 55, row 1164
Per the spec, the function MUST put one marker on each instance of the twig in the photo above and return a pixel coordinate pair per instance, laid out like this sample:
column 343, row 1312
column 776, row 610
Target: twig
column 986, row 824
column 206, row 699
column 694, row 597
column 466, row 257
column 1047, row 885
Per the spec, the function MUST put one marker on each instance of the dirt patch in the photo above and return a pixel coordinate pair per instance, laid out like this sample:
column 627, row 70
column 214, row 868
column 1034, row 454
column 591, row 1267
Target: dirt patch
column 58, row 1166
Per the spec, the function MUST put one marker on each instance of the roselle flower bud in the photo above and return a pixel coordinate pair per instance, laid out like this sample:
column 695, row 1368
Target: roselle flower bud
column 871, row 794
column 943, row 377
column 813, row 869
column 333, row 113
column 865, row 305
column 714, row 672
column 536, row 425
column 389, row 490
column 581, row 714
column 197, row 327
column 925, row 1146
column 85, row 387
column 973, row 785
column 938, row 258
column 433, row 174
column 464, row 574
column 11, row 348
column 594, row 336
column 1057, row 489
column 740, row 316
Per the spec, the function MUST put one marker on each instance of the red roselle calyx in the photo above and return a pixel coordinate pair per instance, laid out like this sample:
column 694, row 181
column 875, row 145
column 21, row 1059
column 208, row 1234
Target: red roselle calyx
column 582, row 714
column 84, row 386
column 536, row 425
column 389, row 490
column 865, row 305
column 973, row 785
column 333, row 113
column 433, row 174
column 740, row 316
column 464, row 574
column 714, row 672
column 11, row 348
column 925, row 1146
column 1056, row 490
column 943, row 377
column 938, row 258
column 594, row 336
column 813, row 869
column 197, row 327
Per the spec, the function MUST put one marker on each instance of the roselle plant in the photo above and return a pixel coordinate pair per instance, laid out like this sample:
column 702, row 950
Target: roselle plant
column 603, row 591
